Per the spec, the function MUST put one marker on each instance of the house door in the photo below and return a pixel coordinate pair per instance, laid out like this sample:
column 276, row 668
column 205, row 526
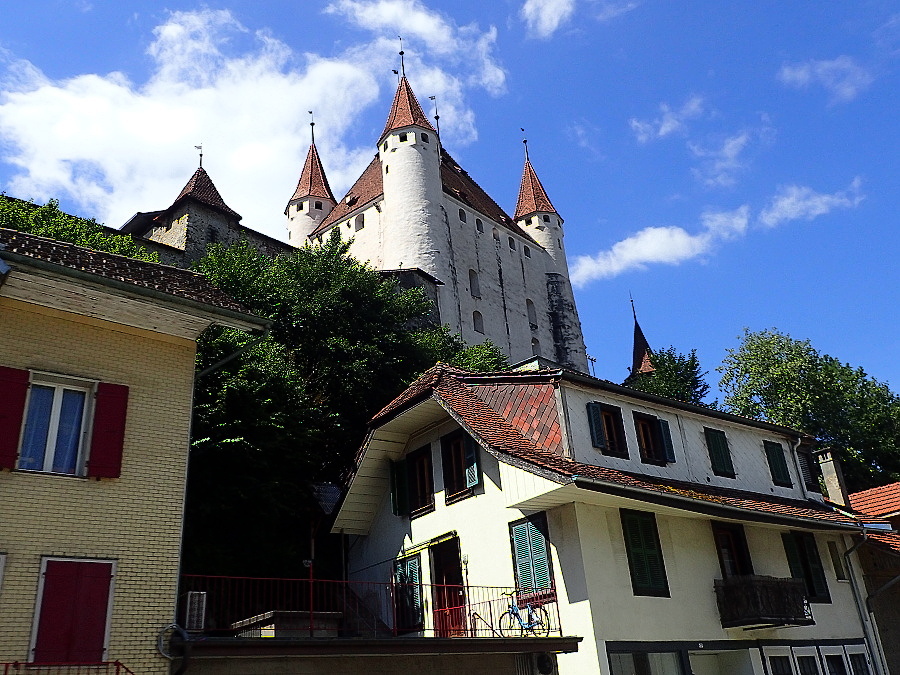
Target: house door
column 449, row 591
column 73, row 612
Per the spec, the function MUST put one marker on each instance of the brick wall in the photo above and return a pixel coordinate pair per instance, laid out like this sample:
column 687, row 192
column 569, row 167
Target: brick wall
column 134, row 520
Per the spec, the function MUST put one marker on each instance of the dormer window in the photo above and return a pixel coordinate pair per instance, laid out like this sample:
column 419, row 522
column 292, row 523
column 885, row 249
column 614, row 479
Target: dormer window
column 403, row 137
column 424, row 137
column 318, row 206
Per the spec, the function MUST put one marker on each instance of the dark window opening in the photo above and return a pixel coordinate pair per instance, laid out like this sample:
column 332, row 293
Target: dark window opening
column 807, row 665
column 607, row 429
column 319, row 205
column 780, row 665
column 412, row 484
column 859, row 664
column 546, row 219
column 478, row 322
column 835, row 664
column 403, row 137
column 809, row 469
column 479, row 225
column 731, row 546
column 424, row 137
column 512, row 243
column 527, row 252
column 654, row 439
column 462, row 215
column 459, row 460
column 805, row 563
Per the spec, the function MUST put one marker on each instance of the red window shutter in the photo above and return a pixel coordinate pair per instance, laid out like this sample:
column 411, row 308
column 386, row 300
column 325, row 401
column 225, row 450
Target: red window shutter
column 108, row 436
column 13, row 392
column 73, row 613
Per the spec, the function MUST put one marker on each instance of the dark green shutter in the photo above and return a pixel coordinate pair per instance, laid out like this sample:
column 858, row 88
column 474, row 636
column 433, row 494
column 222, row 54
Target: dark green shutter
column 645, row 560
column 473, row 470
column 792, row 551
column 399, row 488
column 531, row 555
column 816, row 569
column 666, row 437
column 777, row 464
column 595, row 421
column 719, row 455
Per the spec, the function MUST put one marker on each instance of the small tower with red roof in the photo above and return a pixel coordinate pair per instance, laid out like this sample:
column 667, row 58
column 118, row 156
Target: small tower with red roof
column 312, row 200
column 536, row 215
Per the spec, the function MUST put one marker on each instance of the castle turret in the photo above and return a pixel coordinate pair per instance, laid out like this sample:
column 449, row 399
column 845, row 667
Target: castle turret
column 312, row 200
column 410, row 164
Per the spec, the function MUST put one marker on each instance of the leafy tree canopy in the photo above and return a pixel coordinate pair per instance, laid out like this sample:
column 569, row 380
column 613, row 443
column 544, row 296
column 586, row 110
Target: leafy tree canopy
column 293, row 408
column 775, row 377
column 49, row 221
column 677, row 376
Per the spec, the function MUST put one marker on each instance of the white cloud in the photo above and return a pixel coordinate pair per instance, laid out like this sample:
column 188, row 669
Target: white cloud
column 719, row 164
column 114, row 147
column 797, row 202
column 668, row 245
column 544, row 17
column 842, row 77
column 612, row 10
column 668, row 122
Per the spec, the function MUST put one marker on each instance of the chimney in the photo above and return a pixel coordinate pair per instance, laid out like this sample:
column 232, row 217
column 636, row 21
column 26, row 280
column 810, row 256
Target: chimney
column 833, row 477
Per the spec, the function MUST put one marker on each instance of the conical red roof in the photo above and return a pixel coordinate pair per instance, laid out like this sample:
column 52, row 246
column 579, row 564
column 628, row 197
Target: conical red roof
column 641, row 353
column 405, row 111
column 532, row 197
column 201, row 188
column 313, row 182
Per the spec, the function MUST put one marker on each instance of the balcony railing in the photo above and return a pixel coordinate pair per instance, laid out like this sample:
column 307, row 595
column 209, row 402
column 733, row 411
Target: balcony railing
column 242, row 607
column 104, row 668
column 757, row 601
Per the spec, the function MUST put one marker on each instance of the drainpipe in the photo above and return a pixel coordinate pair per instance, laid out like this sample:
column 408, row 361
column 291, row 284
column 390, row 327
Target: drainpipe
column 871, row 637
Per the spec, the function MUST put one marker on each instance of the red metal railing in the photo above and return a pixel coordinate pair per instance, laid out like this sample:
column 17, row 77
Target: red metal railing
column 243, row 607
column 104, row 668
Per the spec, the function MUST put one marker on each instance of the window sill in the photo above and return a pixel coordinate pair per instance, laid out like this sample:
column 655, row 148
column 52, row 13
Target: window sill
column 725, row 475
column 783, row 485
column 617, row 455
column 654, row 462
column 421, row 511
column 39, row 472
column 459, row 496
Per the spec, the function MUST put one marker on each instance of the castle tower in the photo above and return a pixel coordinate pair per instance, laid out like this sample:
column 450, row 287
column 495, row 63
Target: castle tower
column 409, row 153
column 312, row 200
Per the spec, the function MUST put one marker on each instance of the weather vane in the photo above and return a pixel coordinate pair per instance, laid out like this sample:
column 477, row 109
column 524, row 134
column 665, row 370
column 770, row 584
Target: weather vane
column 524, row 142
column 312, row 126
column 402, row 66
column 200, row 148
column 437, row 118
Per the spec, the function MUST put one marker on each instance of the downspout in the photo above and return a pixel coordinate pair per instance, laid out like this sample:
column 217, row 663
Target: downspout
column 871, row 638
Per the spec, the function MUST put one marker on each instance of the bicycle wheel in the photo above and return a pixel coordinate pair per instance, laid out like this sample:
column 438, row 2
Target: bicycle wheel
column 540, row 622
column 509, row 625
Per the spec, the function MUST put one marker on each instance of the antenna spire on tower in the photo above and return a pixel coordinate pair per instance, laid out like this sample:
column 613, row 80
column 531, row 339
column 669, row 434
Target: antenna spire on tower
column 525, row 143
column 402, row 66
column 437, row 118
column 633, row 313
column 312, row 126
column 200, row 148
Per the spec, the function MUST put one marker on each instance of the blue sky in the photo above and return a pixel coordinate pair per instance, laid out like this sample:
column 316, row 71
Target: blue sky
column 730, row 165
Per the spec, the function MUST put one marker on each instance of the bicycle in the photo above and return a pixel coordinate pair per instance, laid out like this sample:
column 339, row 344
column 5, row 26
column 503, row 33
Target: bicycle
column 512, row 624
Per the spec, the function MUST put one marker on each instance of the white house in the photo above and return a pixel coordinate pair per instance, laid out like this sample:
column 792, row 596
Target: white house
column 672, row 538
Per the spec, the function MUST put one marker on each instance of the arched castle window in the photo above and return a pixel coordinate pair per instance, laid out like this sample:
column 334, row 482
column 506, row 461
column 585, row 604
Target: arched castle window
column 474, row 286
column 496, row 235
column 319, row 206
column 527, row 252
column 512, row 244
column 532, row 314
column 403, row 137
column 535, row 347
column 478, row 322
column 360, row 222
column 479, row 225
column 424, row 137
column 385, row 146
column 462, row 215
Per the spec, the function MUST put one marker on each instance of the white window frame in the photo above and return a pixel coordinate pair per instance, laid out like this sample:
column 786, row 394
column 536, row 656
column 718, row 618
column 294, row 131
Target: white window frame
column 858, row 649
column 38, row 601
column 778, row 651
column 834, row 651
column 61, row 383
column 808, row 651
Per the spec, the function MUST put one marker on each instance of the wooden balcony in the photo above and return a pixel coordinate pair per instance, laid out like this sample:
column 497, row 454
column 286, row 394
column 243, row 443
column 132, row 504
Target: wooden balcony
column 762, row 602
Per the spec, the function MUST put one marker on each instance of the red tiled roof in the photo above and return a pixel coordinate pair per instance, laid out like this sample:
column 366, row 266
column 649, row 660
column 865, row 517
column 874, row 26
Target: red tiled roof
column 405, row 110
column 313, row 182
column 201, row 188
column 878, row 501
column 174, row 281
column 515, row 414
column 367, row 188
column 888, row 540
column 532, row 196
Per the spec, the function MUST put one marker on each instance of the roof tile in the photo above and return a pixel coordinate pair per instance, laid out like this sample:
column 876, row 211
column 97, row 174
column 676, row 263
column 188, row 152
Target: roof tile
column 313, row 182
column 878, row 501
column 201, row 188
column 532, row 196
column 405, row 110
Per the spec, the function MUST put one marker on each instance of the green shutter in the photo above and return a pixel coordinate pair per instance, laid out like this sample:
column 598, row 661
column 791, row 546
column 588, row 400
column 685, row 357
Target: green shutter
column 645, row 560
column 595, row 421
column 816, row 569
column 719, row 455
column 531, row 555
column 666, row 436
column 399, row 488
column 792, row 551
column 777, row 464
column 473, row 470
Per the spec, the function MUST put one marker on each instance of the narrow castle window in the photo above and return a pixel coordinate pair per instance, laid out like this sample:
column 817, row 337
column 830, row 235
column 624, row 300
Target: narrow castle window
column 319, row 206
column 528, row 221
column 546, row 219
column 474, row 286
column 424, row 137
column 360, row 222
column 384, row 147
column 512, row 244
column 387, row 169
column 496, row 235
column 462, row 215
column 403, row 138
column 535, row 347
column 527, row 252
column 212, row 235
column 532, row 314
column 478, row 322
column 479, row 225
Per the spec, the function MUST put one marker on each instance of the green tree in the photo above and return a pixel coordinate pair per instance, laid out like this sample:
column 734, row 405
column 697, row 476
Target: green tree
column 48, row 221
column 677, row 376
column 292, row 409
column 775, row 377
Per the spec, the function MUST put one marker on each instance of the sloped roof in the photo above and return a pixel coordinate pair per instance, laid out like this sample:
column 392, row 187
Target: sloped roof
column 173, row 281
column 201, row 188
column 514, row 414
column 405, row 110
column 641, row 353
column 532, row 196
column 367, row 188
column 313, row 182
column 878, row 501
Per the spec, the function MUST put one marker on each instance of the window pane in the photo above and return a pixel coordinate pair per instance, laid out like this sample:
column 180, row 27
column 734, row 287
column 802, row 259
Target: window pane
column 835, row 665
column 68, row 436
column 859, row 665
column 780, row 665
column 37, row 426
column 807, row 665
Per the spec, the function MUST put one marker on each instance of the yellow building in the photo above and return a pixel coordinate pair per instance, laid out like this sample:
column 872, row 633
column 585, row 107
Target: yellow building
column 96, row 380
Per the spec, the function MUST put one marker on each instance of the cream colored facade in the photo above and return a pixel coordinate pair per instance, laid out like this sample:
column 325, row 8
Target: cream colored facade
column 680, row 633
column 134, row 520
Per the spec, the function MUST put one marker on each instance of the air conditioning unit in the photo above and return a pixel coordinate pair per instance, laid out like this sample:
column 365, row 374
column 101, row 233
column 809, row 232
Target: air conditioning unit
column 194, row 610
column 540, row 663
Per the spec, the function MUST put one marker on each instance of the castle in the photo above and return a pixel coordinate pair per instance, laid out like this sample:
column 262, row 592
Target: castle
column 415, row 214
